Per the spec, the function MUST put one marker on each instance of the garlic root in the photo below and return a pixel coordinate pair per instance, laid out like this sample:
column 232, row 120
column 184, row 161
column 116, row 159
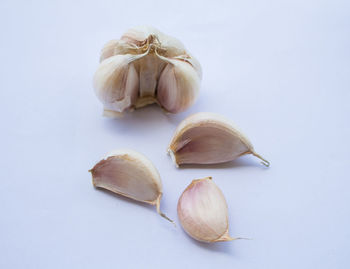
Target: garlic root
column 263, row 161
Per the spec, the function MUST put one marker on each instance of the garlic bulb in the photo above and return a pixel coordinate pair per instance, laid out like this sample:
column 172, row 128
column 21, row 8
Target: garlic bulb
column 208, row 138
column 146, row 66
column 202, row 211
column 130, row 174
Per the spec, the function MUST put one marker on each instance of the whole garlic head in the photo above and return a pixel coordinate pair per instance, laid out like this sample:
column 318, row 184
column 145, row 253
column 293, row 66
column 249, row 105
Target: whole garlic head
column 146, row 66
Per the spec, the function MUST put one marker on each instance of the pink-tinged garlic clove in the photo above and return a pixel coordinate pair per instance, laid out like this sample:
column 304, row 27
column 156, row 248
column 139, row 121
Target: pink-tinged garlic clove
column 116, row 83
column 208, row 138
column 130, row 174
column 178, row 86
column 202, row 211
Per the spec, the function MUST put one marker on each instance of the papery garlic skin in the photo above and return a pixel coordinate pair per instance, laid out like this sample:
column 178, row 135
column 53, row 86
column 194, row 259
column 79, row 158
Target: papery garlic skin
column 173, row 85
column 130, row 174
column 203, row 213
column 208, row 138
column 118, row 76
column 161, row 71
column 117, row 47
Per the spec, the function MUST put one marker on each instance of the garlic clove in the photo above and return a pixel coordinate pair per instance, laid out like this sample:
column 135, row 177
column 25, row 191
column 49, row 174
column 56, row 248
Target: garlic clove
column 108, row 49
column 192, row 61
column 178, row 86
column 130, row 174
column 116, row 82
column 208, row 138
column 117, row 47
column 202, row 211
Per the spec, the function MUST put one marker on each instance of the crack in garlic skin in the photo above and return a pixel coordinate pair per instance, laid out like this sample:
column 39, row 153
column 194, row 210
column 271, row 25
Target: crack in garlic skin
column 165, row 73
column 202, row 211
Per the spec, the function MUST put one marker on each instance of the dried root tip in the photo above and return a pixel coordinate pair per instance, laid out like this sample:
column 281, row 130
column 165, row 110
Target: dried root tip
column 162, row 214
column 264, row 161
column 227, row 237
column 240, row 238
column 209, row 178
column 112, row 114
column 144, row 101
column 173, row 157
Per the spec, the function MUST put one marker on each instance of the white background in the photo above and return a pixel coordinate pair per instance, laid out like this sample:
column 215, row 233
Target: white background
column 279, row 69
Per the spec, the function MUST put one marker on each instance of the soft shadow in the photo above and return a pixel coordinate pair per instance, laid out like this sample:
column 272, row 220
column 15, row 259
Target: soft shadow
column 126, row 199
column 175, row 119
column 244, row 161
column 141, row 119
column 223, row 247
column 148, row 117
column 167, row 224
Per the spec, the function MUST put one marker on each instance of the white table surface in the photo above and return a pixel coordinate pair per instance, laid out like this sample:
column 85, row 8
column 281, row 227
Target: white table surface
column 279, row 69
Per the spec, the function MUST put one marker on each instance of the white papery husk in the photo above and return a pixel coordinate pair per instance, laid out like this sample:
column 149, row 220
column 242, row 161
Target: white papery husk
column 161, row 71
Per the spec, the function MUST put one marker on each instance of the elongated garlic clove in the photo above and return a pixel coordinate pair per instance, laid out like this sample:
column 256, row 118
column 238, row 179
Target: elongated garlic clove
column 130, row 174
column 208, row 138
column 178, row 86
column 116, row 82
column 156, row 66
column 202, row 211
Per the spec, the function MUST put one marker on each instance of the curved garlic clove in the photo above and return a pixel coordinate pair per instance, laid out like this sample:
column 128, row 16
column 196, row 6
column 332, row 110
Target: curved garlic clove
column 130, row 174
column 116, row 83
column 116, row 47
column 208, row 138
column 193, row 61
column 108, row 49
column 178, row 86
column 202, row 211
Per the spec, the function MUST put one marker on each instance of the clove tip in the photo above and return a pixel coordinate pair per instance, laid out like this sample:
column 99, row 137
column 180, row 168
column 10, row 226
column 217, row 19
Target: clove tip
column 263, row 161
column 173, row 157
